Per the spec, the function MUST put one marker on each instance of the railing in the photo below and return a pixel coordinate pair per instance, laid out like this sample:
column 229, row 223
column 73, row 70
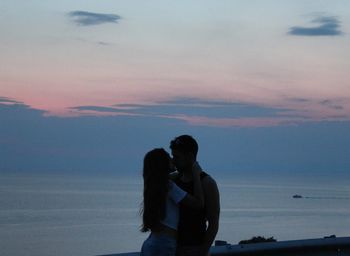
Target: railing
column 325, row 246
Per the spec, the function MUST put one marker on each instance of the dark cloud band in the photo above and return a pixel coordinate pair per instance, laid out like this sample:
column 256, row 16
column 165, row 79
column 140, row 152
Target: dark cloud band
column 83, row 18
column 327, row 26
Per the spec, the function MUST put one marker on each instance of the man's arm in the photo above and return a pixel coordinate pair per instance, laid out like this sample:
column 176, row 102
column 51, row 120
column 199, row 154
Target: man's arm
column 212, row 208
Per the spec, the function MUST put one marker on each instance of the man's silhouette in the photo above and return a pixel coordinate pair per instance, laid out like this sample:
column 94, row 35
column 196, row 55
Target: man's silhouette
column 197, row 228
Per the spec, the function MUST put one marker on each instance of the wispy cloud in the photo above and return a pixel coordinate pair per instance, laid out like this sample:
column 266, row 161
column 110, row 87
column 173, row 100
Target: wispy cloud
column 326, row 26
column 83, row 18
column 199, row 112
column 8, row 101
column 331, row 104
column 98, row 43
column 298, row 100
column 103, row 43
column 196, row 107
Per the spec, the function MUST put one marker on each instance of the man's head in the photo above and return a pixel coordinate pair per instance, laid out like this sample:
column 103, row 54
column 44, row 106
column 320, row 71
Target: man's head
column 184, row 149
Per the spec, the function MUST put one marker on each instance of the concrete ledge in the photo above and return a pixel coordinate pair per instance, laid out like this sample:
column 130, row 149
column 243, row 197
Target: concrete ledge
column 308, row 247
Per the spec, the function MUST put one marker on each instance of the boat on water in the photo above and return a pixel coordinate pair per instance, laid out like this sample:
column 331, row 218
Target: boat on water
column 327, row 246
column 297, row 196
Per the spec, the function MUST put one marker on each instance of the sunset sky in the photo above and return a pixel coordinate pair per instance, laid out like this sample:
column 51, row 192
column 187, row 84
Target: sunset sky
column 94, row 84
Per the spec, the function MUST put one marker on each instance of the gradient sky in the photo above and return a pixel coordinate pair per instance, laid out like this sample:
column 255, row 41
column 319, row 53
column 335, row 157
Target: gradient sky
column 268, row 81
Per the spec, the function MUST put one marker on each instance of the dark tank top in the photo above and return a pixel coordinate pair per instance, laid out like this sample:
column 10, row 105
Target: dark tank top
column 192, row 223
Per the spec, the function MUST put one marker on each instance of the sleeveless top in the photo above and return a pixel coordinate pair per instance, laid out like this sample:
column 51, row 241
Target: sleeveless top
column 175, row 196
column 192, row 223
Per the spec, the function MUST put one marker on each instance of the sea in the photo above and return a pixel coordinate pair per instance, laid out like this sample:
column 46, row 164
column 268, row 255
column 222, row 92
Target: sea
column 100, row 214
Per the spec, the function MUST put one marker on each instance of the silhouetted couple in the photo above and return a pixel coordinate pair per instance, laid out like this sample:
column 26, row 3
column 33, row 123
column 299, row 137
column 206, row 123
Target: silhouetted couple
column 181, row 209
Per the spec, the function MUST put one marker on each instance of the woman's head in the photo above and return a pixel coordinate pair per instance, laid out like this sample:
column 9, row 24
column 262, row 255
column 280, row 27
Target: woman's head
column 156, row 164
column 156, row 167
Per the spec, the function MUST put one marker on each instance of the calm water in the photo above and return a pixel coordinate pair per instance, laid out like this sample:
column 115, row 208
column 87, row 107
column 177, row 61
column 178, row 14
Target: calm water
column 57, row 215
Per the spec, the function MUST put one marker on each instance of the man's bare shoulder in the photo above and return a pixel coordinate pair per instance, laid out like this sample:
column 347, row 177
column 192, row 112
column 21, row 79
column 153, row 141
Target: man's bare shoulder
column 209, row 182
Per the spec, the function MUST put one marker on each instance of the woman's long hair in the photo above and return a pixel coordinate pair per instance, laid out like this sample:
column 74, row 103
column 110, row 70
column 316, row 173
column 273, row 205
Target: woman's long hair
column 156, row 183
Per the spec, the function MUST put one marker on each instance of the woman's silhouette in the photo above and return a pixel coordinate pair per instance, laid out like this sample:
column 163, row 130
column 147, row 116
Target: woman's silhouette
column 161, row 196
